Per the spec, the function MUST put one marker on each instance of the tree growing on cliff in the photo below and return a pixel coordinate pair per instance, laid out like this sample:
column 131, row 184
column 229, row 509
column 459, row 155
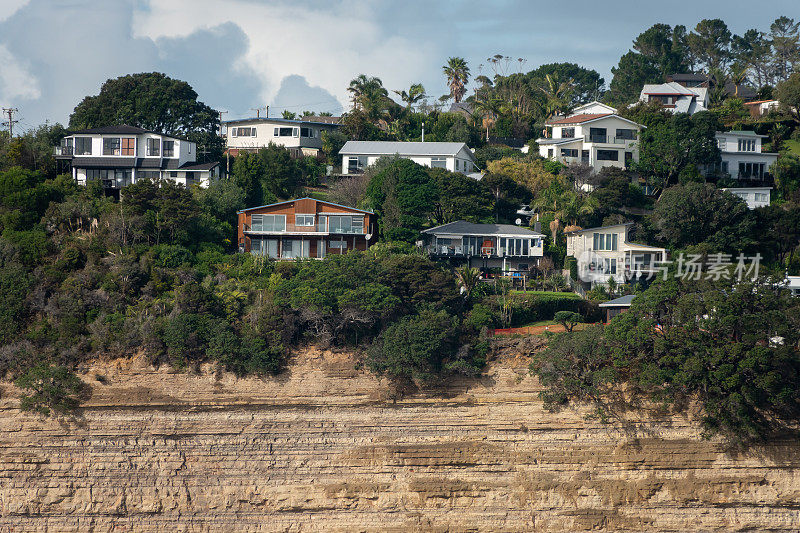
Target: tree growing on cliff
column 51, row 388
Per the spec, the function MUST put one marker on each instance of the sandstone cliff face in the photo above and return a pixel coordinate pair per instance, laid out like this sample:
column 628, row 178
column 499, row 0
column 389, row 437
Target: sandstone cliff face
column 324, row 447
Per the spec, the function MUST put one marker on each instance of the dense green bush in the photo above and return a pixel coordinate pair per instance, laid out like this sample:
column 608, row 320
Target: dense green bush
column 535, row 307
column 51, row 388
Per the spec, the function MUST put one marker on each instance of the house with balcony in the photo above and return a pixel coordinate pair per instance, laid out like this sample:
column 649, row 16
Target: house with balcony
column 675, row 97
column 120, row 155
column 455, row 157
column 488, row 247
column 742, row 158
column 754, row 197
column 300, row 137
column 304, row 228
column 605, row 252
column 597, row 139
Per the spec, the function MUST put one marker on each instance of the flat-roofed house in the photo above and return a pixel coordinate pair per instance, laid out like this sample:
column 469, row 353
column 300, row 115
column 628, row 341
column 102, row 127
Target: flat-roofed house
column 754, row 197
column 742, row 158
column 485, row 246
column 597, row 139
column 304, row 228
column 455, row 157
column 117, row 156
column 301, row 137
column 605, row 252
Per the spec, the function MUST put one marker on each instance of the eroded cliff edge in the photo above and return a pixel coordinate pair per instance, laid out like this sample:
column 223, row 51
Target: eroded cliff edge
column 327, row 447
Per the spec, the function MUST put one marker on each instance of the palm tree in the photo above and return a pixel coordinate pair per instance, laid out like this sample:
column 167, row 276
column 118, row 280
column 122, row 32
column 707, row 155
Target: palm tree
column 457, row 73
column 288, row 115
column 557, row 94
column 738, row 77
column 369, row 95
column 415, row 93
column 468, row 278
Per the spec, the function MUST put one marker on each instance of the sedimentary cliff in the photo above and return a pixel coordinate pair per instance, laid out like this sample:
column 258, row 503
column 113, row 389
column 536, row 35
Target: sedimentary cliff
column 326, row 447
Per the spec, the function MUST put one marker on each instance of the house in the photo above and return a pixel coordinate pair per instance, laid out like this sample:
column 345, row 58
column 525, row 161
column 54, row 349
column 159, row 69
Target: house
column 742, row 158
column 617, row 306
column 754, row 197
column 455, row 157
column 606, row 252
column 121, row 155
column 759, row 108
column 593, row 108
column 301, row 137
column 304, row 228
column 793, row 284
column 688, row 79
column 485, row 246
column 600, row 140
column 675, row 97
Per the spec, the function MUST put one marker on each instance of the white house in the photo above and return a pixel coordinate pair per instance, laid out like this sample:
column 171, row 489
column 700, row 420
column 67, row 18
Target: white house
column 605, row 252
column 675, row 97
column 759, row 108
column 600, row 139
column 486, row 246
column 742, row 158
column 593, row 108
column 120, row 155
column 302, row 137
column 754, row 196
column 455, row 157
column 793, row 284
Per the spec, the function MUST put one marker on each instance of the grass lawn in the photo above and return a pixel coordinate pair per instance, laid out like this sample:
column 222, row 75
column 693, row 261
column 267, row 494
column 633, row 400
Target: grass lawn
column 539, row 323
column 793, row 146
column 547, row 293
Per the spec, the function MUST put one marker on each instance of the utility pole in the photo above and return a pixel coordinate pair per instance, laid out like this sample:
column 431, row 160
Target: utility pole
column 10, row 112
column 227, row 154
column 258, row 111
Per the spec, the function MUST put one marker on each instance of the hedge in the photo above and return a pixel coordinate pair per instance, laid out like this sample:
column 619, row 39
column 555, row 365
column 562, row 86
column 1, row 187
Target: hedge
column 534, row 307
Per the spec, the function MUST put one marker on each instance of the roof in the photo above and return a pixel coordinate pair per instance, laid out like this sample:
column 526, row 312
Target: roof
column 593, row 103
column 306, row 198
column 122, row 129
column 279, row 120
column 755, row 102
column 582, row 117
column 622, row 301
column 562, row 140
column 198, row 166
column 403, row 148
column 104, row 162
column 688, row 76
column 321, row 119
column 745, row 133
column 462, row 227
column 672, row 88
column 599, row 227
column 138, row 162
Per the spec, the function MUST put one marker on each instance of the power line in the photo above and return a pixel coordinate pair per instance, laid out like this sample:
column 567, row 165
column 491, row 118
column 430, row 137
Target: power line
column 10, row 112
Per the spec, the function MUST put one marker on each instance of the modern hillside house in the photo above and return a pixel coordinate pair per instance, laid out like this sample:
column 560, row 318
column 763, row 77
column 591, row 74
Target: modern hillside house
column 675, row 97
column 754, row 197
column 606, row 252
column 455, row 157
column 304, row 228
column 301, row 137
column 488, row 247
column 120, row 155
column 598, row 139
column 593, row 108
column 742, row 158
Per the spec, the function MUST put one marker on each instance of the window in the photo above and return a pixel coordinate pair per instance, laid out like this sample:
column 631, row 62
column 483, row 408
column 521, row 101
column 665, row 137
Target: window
column 83, row 146
column 356, row 163
column 751, row 170
column 147, row 174
column 307, row 132
column 605, row 241
column 567, row 133
column 747, row 145
column 113, row 178
column 569, row 152
column 439, row 162
column 585, row 156
column 243, row 132
column 286, row 132
column 169, row 148
column 608, row 155
column 597, row 135
column 458, row 164
column 761, row 197
column 304, row 220
column 626, row 134
column 268, row 223
column 339, row 245
column 153, row 147
column 549, row 153
column 721, row 144
column 345, row 224
column 128, row 147
column 111, row 146
column 173, row 174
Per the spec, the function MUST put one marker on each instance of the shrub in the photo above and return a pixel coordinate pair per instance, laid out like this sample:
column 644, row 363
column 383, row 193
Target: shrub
column 568, row 319
column 527, row 308
column 52, row 388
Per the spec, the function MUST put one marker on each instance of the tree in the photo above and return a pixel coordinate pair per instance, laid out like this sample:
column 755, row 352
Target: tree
column 457, row 73
column 468, row 278
column 415, row 93
column 557, row 94
column 459, row 198
column 785, row 39
column 507, row 196
column 530, row 173
column 710, row 43
column 788, row 93
column 568, row 319
column 658, row 45
column 587, row 84
column 288, row 115
column 248, row 173
column 699, row 213
column 753, row 51
column 50, row 388
column 629, row 76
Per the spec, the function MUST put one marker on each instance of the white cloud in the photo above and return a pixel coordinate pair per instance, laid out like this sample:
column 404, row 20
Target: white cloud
column 15, row 80
column 9, row 7
column 328, row 46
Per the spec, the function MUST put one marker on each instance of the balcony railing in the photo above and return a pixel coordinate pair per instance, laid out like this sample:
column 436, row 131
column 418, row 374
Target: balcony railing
column 64, row 150
column 471, row 251
column 317, row 228
column 607, row 139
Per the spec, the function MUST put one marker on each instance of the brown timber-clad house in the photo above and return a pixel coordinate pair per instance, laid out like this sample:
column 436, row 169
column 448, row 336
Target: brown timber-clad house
column 304, row 228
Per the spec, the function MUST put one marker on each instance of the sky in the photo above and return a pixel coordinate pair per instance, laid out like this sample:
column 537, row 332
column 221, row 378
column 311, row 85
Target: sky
column 244, row 54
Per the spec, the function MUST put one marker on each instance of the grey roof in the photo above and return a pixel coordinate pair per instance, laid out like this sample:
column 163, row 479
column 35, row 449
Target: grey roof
column 305, row 198
column 104, row 162
column 198, row 166
column 298, row 122
column 462, row 227
column 598, row 227
column 622, row 301
column 402, row 148
column 562, row 140
column 747, row 133
column 122, row 129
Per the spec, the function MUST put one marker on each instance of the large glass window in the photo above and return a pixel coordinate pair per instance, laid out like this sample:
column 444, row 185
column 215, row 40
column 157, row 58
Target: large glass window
column 169, row 148
column 128, row 146
column 83, row 146
column 356, row 164
column 569, row 152
column 307, row 132
column 287, row 132
column 268, row 222
column 605, row 241
column 111, row 146
column 345, row 224
column 597, row 135
column 153, row 147
column 304, row 220
column 608, row 155
column 626, row 134
column 439, row 162
column 747, row 145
